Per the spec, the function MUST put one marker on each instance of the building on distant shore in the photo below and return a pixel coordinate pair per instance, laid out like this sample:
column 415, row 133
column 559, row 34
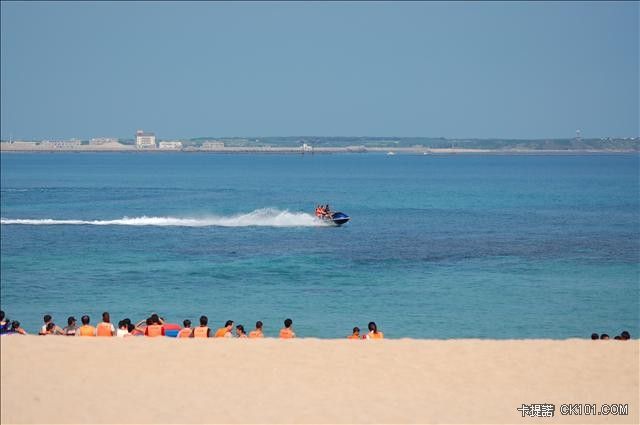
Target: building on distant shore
column 103, row 141
column 306, row 148
column 145, row 140
column 170, row 145
column 212, row 145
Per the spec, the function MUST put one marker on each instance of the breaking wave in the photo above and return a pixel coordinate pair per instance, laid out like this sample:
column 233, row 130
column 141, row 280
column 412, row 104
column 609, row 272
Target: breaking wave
column 268, row 217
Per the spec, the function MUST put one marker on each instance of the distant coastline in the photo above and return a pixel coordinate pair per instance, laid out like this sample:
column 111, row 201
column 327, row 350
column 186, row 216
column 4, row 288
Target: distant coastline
column 222, row 148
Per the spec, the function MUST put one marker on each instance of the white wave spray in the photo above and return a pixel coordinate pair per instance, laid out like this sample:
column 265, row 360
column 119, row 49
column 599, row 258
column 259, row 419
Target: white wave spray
column 268, row 217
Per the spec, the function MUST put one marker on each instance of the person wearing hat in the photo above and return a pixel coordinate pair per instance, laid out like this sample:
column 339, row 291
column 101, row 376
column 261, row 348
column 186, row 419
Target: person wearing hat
column 71, row 328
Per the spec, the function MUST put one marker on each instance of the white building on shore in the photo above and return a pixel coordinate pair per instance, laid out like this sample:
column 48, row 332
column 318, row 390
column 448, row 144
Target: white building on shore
column 212, row 145
column 145, row 140
column 170, row 145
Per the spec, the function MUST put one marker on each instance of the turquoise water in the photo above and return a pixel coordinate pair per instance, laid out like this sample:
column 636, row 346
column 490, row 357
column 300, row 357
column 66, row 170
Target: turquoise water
column 438, row 246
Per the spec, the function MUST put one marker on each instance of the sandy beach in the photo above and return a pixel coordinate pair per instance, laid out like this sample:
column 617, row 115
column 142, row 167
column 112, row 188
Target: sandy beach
column 140, row 380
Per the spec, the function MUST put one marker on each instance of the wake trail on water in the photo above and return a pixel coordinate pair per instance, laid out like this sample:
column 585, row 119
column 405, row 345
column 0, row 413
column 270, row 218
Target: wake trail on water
column 266, row 217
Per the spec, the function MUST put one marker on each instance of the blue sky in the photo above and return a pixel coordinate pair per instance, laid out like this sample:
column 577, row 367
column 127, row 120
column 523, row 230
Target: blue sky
column 507, row 70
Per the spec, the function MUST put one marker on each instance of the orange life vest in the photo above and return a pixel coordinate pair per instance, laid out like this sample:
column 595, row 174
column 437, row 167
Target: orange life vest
column 185, row 333
column 103, row 329
column 286, row 333
column 220, row 333
column 154, row 330
column 379, row 335
column 256, row 334
column 87, row 330
column 353, row 337
column 201, row 332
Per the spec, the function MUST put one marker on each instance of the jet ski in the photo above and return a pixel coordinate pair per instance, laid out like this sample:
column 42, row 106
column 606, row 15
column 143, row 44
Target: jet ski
column 337, row 218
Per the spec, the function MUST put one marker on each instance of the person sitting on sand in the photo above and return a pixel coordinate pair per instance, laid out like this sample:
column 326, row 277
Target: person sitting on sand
column 154, row 328
column 257, row 332
column 355, row 334
column 604, row 336
column 43, row 330
column 625, row 335
column 105, row 328
column 203, row 330
column 47, row 319
column 287, row 331
column 5, row 325
column 595, row 336
column 374, row 333
column 86, row 329
column 123, row 329
column 15, row 328
column 51, row 329
column 240, row 333
column 225, row 332
column 185, row 332
column 72, row 328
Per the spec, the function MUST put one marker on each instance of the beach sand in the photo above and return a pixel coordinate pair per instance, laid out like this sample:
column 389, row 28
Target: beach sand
column 139, row 380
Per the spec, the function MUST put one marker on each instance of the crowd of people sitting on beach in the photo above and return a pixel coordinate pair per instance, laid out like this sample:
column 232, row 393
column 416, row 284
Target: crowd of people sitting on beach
column 624, row 335
column 155, row 326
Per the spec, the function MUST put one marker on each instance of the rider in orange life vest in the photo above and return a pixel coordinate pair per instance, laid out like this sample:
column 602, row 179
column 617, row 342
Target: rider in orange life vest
column 374, row 333
column 105, row 328
column 257, row 332
column 154, row 326
column 203, row 330
column 86, row 329
column 355, row 334
column 185, row 332
column 323, row 211
column 287, row 331
column 225, row 332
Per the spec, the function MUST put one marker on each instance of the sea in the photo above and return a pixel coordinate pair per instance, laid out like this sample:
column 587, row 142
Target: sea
column 438, row 246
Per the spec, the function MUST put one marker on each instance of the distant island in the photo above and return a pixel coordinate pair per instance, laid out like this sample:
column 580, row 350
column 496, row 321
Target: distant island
column 146, row 142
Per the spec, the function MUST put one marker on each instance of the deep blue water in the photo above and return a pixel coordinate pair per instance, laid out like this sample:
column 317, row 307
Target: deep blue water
column 438, row 246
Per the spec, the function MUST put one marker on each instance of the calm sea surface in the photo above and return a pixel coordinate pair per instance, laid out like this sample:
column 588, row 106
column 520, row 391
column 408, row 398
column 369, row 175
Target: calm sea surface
column 438, row 246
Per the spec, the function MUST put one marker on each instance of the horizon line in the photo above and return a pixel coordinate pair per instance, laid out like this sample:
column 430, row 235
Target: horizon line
column 582, row 137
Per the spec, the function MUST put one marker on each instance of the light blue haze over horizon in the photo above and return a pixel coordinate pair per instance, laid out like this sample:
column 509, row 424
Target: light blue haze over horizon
column 458, row 70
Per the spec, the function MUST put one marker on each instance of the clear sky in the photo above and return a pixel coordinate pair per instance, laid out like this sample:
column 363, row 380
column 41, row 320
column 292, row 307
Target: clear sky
column 507, row 70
